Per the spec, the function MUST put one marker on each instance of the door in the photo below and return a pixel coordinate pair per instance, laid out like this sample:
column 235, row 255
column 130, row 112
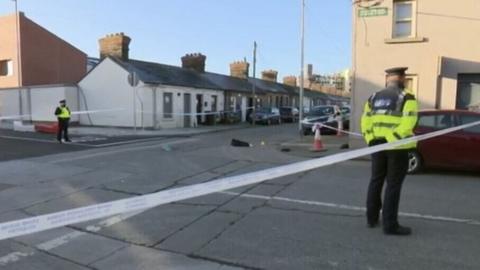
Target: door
column 187, row 109
column 214, row 103
column 199, row 108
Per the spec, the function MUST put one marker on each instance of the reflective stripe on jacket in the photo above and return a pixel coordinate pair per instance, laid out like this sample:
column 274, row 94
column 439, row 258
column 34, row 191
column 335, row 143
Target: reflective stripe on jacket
column 390, row 115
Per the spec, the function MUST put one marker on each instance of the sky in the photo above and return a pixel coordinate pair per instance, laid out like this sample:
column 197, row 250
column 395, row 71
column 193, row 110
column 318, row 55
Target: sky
column 223, row 30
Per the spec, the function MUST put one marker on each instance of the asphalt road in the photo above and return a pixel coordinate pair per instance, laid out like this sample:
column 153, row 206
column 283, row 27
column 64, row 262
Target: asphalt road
column 312, row 220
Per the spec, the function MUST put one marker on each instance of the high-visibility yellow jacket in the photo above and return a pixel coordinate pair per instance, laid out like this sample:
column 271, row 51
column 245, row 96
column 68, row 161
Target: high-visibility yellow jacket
column 390, row 115
column 63, row 112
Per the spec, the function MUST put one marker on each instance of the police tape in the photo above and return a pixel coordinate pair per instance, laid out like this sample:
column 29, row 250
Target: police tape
column 341, row 130
column 21, row 116
column 83, row 214
column 97, row 111
column 198, row 113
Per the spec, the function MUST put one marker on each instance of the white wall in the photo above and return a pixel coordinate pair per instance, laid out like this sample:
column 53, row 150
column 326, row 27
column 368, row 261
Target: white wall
column 37, row 102
column 106, row 87
column 178, row 104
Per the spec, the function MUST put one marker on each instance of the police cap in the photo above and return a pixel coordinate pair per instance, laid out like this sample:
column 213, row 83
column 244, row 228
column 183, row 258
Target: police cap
column 63, row 101
column 396, row 71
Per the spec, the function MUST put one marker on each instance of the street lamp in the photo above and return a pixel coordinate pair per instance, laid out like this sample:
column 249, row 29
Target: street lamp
column 302, row 60
column 19, row 58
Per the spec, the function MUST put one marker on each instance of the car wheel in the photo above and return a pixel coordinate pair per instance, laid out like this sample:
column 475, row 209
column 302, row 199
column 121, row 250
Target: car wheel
column 415, row 162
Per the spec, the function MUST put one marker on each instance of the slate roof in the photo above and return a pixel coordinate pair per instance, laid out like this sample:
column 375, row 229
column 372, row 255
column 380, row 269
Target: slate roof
column 156, row 73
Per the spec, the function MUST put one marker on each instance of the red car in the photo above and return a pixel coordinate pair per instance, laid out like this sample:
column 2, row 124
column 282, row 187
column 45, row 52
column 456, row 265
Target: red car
column 458, row 150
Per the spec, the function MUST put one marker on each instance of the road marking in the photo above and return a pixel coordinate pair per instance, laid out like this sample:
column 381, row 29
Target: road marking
column 128, row 142
column 28, row 139
column 81, row 141
column 39, row 223
column 66, row 238
column 353, row 208
column 118, row 151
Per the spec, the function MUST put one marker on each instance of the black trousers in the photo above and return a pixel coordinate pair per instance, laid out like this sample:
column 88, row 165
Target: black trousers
column 63, row 128
column 391, row 166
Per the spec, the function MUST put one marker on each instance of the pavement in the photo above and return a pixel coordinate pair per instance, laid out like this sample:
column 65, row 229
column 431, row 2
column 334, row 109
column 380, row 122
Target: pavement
column 311, row 220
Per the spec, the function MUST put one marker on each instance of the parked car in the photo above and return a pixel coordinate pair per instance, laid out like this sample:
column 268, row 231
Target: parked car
column 267, row 116
column 459, row 150
column 324, row 114
column 289, row 114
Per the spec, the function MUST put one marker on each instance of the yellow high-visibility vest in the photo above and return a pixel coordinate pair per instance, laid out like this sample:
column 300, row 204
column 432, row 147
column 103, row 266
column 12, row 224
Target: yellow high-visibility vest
column 389, row 117
column 64, row 113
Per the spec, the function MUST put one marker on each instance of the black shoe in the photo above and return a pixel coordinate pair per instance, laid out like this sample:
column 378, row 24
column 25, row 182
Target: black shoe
column 399, row 230
column 68, row 140
column 372, row 224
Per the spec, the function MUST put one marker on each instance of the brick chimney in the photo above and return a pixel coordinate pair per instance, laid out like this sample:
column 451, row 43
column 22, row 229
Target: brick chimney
column 290, row 80
column 116, row 45
column 239, row 69
column 195, row 61
column 269, row 75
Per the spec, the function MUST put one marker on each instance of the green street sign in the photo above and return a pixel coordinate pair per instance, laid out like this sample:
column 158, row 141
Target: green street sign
column 373, row 12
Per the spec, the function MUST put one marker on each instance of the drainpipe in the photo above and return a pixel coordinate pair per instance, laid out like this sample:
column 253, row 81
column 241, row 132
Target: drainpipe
column 155, row 124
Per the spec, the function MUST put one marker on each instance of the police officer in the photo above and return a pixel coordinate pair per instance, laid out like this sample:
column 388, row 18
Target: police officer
column 63, row 115
column 389, row 115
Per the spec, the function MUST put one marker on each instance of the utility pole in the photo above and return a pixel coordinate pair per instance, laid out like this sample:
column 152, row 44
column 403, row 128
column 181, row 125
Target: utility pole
column 302, row 60
column 254, row 83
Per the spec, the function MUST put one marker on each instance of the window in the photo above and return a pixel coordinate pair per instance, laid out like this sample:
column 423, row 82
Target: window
column 468, row 91
column 403, row 19
column 467, row 119
column 436, row 121
column 167, row 105
column 6, row 67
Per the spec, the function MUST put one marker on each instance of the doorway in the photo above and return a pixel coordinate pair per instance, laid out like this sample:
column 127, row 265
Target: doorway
column 199, row 108
column 187, row 110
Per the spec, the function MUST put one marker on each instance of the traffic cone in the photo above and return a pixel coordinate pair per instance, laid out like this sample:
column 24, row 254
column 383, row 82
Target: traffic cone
column 317, row 142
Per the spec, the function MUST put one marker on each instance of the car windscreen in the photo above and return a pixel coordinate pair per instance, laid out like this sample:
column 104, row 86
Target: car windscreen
column 345, row 110
column 321, row 111
column 264, row 110
column 285, row 110
column 436, row 121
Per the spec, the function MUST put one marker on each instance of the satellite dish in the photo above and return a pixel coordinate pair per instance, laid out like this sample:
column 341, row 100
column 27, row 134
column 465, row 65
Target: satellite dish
column 133, row 79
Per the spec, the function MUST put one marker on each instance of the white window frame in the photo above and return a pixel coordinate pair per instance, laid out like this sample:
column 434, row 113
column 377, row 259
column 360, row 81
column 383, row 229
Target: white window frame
column 8, row 67
column 168, row 115
column 412, row 19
